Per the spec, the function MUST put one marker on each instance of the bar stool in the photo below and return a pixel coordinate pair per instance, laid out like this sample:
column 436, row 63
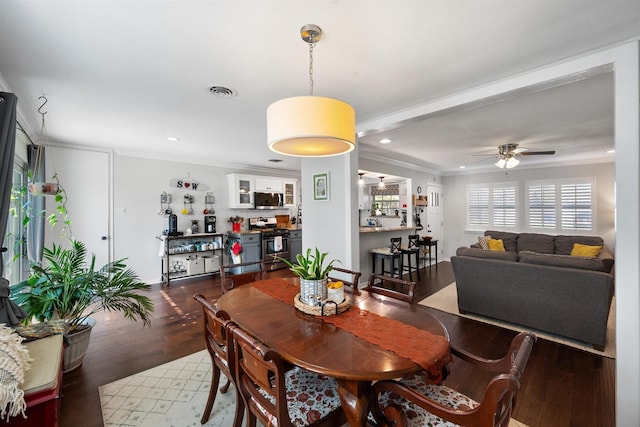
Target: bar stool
column 409, row 250
column 392, row 253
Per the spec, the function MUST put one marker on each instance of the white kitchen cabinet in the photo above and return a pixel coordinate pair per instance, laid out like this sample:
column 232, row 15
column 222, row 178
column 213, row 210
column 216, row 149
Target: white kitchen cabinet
column 268, row 185
column 241, row 188
column 290, row 192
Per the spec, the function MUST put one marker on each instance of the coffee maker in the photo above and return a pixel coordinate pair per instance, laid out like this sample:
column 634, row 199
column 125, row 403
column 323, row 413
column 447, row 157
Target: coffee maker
column 209, row 224
column 173, row 225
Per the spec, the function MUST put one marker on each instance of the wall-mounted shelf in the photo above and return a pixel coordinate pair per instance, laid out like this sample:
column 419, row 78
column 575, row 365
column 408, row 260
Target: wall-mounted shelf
column 420, row 200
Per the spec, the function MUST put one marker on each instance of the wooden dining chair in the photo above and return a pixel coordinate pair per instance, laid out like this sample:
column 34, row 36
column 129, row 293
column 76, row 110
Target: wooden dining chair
column 413, row 402
column 218, row 342
column 348, row 277
column 391, row 253
column 411, row 249
column 392, row 287
column 229, row 279
column 277, row 396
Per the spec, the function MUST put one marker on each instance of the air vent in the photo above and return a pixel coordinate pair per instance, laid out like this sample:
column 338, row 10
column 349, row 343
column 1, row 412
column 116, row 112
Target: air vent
column 222, row 92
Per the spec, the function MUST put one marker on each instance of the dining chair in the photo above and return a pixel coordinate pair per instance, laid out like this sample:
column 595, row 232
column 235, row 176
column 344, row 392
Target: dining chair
column 413, row 402
column 391, row 253
column 218, row 342
column 411, row 249
column 230, row 279
column 392, row 287
column 348, row 277
column 280, row 397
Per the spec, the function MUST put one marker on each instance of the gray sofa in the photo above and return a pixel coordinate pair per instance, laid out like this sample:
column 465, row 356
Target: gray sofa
column 536, row 283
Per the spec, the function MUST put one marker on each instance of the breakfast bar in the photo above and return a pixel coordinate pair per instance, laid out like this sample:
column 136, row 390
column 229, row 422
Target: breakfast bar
column 377, row 237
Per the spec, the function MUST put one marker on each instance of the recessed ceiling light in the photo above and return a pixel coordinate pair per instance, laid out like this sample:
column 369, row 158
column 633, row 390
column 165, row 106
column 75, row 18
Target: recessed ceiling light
column 610, row 151
column 385, row 141
column 173, row 138
column 275, row 160
column 222, row 92
column 462, row 167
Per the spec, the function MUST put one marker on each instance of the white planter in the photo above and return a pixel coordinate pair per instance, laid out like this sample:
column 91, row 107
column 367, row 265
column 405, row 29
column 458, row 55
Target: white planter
column 313, row 292
column 78, row 345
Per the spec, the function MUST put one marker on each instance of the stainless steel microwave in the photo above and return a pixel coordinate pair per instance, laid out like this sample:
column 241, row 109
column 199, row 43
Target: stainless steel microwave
column 267, row 200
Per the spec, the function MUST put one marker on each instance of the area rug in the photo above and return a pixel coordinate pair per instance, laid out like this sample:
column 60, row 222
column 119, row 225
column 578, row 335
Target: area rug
column 173, row 394
column 447, row 300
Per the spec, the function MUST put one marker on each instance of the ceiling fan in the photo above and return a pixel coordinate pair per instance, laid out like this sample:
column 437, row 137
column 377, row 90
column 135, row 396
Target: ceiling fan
column 508, row 155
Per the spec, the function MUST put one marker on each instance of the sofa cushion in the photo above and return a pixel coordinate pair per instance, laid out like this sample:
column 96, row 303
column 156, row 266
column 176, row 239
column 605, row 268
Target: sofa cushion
column 585, row 250
column 483, row 241
column 481, row 253
column 568, row 261
column 508, row 239
column 496, row 245
column 535, row 242
column 564, row 244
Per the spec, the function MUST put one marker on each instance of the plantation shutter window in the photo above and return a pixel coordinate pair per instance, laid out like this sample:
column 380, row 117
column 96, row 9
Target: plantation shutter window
column 504, row 206
column 478, row 206
column 542, row 206
column 576, row 212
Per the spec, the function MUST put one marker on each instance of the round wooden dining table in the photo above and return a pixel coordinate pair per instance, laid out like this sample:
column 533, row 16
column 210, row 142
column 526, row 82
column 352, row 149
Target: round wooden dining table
column 311, row 343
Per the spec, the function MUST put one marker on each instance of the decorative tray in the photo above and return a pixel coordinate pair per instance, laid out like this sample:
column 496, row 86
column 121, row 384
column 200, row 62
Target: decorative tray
column 328, row 308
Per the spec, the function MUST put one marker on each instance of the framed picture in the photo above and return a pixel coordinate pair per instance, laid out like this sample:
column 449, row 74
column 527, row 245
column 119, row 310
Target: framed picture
column 321, row 187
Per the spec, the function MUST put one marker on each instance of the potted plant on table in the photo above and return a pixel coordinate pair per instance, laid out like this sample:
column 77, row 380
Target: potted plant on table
column 66, row 288
column 313, row 271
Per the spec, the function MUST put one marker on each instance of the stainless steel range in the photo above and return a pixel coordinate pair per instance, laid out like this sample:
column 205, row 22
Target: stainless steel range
column 275, row 242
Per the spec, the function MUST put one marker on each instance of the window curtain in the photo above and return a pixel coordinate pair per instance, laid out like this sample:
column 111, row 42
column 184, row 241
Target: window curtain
column 35, row 226
column 8, row 103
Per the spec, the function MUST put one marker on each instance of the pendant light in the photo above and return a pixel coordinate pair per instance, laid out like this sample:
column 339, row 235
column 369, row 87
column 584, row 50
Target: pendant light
column 311, row 126
column 381, row 184
column 361, row 179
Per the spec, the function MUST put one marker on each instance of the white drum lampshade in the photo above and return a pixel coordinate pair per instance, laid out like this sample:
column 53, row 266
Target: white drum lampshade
column 311, row 126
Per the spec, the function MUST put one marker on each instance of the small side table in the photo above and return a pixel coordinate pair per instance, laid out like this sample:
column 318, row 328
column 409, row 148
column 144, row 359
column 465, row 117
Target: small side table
column 428, row 244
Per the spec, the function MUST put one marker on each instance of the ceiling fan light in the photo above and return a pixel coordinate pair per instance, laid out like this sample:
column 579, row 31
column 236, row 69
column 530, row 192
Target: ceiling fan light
column 512, row 162
column 501, row 163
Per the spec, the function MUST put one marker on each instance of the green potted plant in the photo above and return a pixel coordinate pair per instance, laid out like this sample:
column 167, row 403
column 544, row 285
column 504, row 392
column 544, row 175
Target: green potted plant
column 312, row 268
column 66, row 288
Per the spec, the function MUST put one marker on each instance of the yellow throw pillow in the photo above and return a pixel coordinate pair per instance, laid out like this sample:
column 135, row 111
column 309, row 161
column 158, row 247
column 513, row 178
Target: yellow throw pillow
column 585, row 250
column 496, row 245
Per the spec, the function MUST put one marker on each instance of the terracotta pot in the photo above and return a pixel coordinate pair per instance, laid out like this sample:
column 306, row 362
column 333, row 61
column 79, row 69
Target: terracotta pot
column 78, row 345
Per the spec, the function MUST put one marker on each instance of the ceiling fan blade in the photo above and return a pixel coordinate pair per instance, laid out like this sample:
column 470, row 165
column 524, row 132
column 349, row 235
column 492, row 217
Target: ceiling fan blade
column 520, row 150
column 536, row 153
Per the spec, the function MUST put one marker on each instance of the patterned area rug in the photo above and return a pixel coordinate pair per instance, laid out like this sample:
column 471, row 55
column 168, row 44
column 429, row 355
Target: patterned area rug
column 173, row 394
column 447, row 300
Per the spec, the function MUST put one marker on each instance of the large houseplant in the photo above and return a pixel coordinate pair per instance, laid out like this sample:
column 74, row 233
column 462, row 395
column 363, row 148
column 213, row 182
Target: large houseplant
column 312, row 268
column 66, row 287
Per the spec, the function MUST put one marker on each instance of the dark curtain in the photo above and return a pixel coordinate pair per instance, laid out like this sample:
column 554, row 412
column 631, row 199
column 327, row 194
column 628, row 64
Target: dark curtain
column 8, row 103
column 35, row 226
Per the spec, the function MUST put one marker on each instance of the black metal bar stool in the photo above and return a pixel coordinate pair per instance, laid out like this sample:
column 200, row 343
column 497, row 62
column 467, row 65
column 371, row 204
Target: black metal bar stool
column 392, row 253
column 411, row 249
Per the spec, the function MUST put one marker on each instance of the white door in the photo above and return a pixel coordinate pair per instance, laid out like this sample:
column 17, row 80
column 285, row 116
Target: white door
column 85, row 176
column 434, row 225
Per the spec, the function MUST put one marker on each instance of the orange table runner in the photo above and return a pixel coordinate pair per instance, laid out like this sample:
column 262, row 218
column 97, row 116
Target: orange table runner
column 430, row 351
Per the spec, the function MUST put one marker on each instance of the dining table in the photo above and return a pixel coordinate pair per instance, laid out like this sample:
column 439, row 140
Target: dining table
column 376, row 338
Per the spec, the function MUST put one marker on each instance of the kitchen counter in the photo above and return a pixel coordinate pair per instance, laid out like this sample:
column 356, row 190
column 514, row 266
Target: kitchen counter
column 385, row 229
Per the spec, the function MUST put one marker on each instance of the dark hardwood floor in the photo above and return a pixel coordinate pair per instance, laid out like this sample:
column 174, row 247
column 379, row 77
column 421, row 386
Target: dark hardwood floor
column 561, row 386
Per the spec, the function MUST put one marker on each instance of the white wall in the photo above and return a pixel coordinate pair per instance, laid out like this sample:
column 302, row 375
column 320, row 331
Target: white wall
column 138, row 184
column 332, row 226
column 455, row 204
